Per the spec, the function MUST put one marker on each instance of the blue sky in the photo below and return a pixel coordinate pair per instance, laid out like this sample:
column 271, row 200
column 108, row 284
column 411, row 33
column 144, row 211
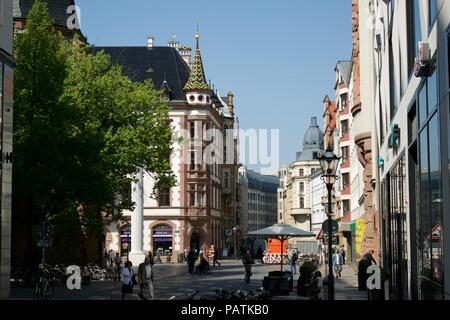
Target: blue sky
column 277, row 57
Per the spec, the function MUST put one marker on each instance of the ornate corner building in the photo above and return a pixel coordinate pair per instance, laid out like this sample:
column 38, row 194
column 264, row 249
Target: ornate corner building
column 200, row 210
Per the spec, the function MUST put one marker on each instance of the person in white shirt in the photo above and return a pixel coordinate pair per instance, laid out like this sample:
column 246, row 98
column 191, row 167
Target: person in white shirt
column 127, row 279
column 145, row 279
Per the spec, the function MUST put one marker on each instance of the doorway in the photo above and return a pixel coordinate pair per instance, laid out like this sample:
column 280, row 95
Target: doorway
column 195, row 241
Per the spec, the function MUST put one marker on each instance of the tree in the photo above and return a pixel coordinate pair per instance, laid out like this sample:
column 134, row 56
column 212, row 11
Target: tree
column 82, row 130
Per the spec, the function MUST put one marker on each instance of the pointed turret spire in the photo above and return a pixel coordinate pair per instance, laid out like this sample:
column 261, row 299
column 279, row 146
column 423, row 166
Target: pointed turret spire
column 197, row 79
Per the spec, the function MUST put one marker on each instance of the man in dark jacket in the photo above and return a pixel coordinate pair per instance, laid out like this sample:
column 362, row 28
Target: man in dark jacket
column 191, row 260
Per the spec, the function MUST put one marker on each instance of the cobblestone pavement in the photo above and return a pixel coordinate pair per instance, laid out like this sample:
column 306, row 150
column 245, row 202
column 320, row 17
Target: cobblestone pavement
column 174, row 281
column 346, row 287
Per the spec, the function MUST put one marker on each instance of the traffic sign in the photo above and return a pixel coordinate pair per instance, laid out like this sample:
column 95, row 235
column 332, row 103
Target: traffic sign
column 44, row 236
column 334, row 226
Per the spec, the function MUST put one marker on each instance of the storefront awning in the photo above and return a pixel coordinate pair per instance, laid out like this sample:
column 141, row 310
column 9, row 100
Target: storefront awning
column 347, row 226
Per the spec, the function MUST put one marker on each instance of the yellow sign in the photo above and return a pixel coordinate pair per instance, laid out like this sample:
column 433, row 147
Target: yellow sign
column 359, row 235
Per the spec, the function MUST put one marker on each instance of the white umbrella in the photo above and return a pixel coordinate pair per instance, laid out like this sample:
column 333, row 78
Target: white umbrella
column 282, row 232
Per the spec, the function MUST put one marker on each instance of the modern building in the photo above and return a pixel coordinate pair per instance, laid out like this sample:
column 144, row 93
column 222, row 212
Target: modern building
column 6, row 141
column 294, row 192
column 200, row 210
column 261, row 199
column 411, row 42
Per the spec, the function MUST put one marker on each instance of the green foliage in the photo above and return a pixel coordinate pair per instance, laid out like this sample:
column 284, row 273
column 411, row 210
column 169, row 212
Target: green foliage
column 82, row 129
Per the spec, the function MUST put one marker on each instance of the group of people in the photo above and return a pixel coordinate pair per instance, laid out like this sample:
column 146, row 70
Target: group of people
column 203, row 266
column 127, row 277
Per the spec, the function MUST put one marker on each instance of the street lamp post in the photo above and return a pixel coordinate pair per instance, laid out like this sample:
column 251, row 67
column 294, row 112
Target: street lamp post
column 329, row 162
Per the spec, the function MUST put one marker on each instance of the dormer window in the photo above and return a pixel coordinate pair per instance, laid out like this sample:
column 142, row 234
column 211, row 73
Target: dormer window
column 191, row 98
column 200, row 98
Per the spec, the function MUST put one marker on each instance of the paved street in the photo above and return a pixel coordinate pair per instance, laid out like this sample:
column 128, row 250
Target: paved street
column 174, row 280
column 346, row 287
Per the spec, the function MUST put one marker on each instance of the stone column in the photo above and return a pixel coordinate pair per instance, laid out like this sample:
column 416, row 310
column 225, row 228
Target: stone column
column 137, row 255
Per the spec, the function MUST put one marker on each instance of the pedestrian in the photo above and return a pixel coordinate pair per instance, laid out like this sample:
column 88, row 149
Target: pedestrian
column 203, row 266
column 191, row 257
column 293, row 262
column 342, row 252
column 145, row 280
column 106, row 258
column 337, row 263
column 111, row 257
column 118, row 264
column 215, row 257
column 369, row 256
column 128, row 279
column 260, row 253
column 151, row 258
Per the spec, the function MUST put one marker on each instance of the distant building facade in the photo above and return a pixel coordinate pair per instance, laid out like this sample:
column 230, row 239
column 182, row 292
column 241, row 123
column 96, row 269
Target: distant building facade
column 294, row 191
column 260, row 194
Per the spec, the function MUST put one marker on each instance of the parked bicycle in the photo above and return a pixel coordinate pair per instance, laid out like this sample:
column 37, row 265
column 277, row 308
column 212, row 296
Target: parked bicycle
column 44, row 288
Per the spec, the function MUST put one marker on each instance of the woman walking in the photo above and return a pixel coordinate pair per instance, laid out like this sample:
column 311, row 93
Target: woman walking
column 127, row 279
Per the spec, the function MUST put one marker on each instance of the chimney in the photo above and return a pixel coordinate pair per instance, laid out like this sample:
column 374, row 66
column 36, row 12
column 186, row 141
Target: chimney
column 230, row 102
column 150, row 41
column 174, row 43
column 185, row 52
column 313, row 122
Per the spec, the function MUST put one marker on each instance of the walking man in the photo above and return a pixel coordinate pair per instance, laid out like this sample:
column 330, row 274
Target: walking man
column 145, row 280
column 293, row 262
column 342, row 251
column 215, row 257
column 118, row 263
column 337, row 263
column 191, row 260
column 111, row 257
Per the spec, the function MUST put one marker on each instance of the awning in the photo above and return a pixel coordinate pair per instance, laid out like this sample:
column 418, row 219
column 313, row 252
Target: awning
column 346, row 227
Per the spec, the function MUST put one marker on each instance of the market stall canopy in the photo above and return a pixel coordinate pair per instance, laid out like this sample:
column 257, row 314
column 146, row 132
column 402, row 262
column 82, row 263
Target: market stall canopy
column 282, row 231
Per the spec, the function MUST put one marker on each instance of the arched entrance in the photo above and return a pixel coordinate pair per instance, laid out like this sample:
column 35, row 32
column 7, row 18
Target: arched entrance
column 162, row 239
column 195, row 240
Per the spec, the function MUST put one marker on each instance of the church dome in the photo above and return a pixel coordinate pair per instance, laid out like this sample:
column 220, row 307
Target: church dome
column 312, row 142
column 313, row 137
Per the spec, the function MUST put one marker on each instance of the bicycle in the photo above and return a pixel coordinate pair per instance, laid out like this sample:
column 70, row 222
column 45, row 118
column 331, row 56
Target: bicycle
column 44, row 288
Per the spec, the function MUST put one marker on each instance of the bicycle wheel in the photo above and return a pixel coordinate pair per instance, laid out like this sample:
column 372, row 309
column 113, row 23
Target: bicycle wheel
column 48, row 291
column 37, row 291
